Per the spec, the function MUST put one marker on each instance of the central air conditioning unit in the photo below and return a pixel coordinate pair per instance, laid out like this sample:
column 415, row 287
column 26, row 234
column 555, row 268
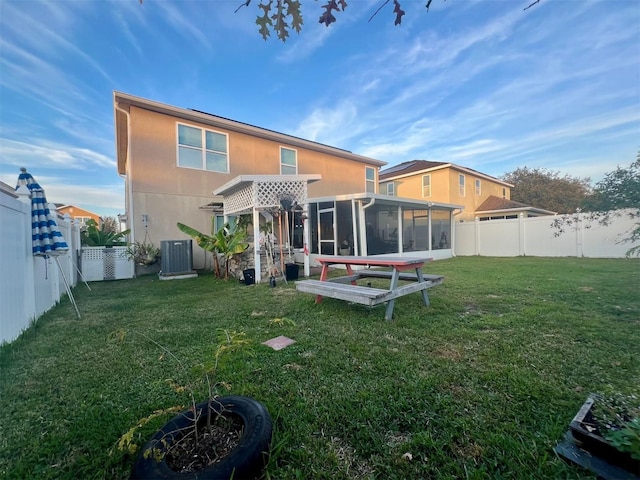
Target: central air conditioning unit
column 176, row 260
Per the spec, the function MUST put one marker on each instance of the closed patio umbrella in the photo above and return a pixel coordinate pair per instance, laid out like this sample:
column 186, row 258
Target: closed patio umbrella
column 46, row 238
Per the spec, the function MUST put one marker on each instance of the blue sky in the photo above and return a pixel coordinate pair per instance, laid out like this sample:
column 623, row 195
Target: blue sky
column 479, row 83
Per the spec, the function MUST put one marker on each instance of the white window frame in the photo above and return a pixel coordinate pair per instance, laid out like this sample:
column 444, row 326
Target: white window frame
column 426, row 189
column 461, row 183
column 391, row 189
column 202, row 148
column 504, row 192
column 369, row 184
column 478, row 187
column 286, row 165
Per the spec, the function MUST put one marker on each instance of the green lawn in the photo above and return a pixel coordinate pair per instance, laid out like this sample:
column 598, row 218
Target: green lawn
column 482, row 384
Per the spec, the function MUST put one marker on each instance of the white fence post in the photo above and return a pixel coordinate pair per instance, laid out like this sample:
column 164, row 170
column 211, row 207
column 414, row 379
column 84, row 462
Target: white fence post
column 521, row 235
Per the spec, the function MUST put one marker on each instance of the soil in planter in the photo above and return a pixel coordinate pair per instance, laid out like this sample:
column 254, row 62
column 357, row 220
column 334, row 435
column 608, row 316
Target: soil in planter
column 595, row 442
column 214, row 443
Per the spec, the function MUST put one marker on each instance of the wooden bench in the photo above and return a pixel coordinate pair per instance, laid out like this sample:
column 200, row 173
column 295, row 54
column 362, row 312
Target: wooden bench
column 342, row 289
column 351, row 293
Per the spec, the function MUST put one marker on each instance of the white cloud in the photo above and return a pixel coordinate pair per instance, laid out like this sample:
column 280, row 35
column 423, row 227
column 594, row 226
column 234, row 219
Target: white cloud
column 50, row 154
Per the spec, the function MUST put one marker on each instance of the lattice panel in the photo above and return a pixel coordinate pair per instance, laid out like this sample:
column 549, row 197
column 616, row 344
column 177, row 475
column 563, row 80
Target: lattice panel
column 269, row 193
column 94, row 253
column 240, row 201
column 264, row 195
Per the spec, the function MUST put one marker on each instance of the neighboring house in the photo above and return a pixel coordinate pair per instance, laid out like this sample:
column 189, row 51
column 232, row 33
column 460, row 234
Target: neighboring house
column 443, row 182
column 495, row 208
column 77, row 213
column 188, row 166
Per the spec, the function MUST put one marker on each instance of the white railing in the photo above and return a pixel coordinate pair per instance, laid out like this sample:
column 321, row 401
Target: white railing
column 29, row 286
column 535, row 237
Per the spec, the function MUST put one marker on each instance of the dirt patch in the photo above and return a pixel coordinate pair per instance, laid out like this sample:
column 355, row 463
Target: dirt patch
column 448, row 353
column 355, row 467
column 394, row 439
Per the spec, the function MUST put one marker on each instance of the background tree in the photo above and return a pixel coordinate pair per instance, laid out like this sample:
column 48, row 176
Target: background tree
column 546, row 189
column 617, row 194
column 110, row 224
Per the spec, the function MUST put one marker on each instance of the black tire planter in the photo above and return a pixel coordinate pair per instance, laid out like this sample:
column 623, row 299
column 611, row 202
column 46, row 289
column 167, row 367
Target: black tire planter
column 245, row 461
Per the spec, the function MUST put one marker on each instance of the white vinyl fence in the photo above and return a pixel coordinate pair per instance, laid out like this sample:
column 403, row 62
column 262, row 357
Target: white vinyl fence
column 535, row 237
column 29, row 286
column 101, row 263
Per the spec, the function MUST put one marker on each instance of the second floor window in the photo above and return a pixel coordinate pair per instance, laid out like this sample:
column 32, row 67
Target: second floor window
column 478, row 189
column 288, row 161
column 461, row 184
column 504, row 192
column 391, row 189
column 370, row 180
column 202, row 149
column 426, row 186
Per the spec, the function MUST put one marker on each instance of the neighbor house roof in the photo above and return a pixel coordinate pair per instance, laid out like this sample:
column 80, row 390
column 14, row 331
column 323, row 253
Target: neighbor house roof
column 495, row 204
column 414, row 167
column 122, row 102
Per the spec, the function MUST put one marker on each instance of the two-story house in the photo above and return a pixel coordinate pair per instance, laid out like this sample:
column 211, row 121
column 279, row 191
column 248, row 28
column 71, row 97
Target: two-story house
column 77, row 213
column 188, row 166
column 481, row 195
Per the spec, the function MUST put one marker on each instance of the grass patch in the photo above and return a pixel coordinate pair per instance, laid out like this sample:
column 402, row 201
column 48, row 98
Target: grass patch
column 481, row 385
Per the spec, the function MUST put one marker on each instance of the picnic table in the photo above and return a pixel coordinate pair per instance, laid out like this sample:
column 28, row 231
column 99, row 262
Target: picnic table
column 346, row 287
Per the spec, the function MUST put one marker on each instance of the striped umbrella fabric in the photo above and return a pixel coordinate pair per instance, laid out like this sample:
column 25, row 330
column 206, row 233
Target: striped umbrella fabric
column 45, row 234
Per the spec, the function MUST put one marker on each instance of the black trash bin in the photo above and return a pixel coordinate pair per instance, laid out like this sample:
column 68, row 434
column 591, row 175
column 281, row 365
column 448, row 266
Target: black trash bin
column 291, row 270
column 249, row 276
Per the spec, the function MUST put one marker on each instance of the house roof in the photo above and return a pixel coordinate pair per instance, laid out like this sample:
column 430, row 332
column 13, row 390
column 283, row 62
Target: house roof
column 123, row 101
column 495, row 204
column 413, row 167
column 381, row 199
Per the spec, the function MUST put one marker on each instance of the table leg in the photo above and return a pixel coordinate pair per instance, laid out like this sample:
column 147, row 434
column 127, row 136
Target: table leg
column 323, row 277
column 425, row 297
column 391, row 303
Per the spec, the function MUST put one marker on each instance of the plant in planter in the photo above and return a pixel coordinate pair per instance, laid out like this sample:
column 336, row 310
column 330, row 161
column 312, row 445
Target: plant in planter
column 608, row 427
column 221, row 438
column 143, row 253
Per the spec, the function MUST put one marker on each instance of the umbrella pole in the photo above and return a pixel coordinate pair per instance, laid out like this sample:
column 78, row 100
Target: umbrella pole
column 66, row 285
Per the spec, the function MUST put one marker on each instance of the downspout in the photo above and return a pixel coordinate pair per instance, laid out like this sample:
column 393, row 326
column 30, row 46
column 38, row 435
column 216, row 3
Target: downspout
column 363, row 226
column 354, row 227
column 429, row 242
column 126, row 176
column 453, row 230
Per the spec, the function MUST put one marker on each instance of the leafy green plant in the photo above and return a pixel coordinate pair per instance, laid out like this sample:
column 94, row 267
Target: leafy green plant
column 101, row 236
column 618, row 417
column 143, row 253
column 228, row 241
